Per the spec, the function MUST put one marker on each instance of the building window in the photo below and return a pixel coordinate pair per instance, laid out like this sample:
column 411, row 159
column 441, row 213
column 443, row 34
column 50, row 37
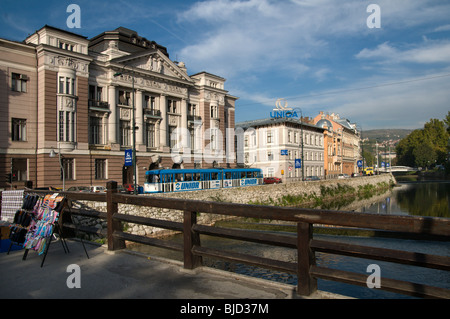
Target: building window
column 19, row 82
column 66, row 85
column 95, row 130
column 150, row 102
column 100, row 169
column 173, row 138
column 19, row 129
column 66, row 46
column 124, row 98
column 214, row 112
column 192, row 109
column 69, row 169
column 270, row 156
column 125, row 133
column 269, row 137
column 19, row 169
column 150, row 127
column 66, row 126
column 192, row 138
column 172, row 105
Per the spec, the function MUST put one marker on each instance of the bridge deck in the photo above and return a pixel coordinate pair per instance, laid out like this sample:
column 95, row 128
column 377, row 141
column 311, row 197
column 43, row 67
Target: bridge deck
column 125, row 275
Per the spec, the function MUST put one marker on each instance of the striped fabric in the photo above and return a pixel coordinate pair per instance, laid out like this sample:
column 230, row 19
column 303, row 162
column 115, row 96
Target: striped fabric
column 11, row 202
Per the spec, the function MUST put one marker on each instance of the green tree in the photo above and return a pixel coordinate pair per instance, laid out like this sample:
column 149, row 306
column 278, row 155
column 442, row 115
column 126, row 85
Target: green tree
column 424, row 155
column 447, row 122
column 424, row 145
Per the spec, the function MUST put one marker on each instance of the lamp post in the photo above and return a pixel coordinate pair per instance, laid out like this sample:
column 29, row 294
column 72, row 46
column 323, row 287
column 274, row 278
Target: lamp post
column 52, row 155
column 133, row 129
column 301, row 141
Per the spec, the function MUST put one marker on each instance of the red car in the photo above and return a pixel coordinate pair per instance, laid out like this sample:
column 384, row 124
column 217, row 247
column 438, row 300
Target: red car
column 272, row 180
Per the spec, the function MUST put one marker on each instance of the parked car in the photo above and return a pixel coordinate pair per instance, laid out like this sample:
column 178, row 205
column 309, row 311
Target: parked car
column 342, row 176
column 312, row 178
column 98, row 189
column 272, row 180
column 78, row 189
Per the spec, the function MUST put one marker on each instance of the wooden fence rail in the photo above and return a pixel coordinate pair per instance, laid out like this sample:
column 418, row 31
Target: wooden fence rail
column 302, row 240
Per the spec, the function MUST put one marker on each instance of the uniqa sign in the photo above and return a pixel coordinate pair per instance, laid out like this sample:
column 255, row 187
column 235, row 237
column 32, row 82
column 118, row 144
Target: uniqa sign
column 282, row 111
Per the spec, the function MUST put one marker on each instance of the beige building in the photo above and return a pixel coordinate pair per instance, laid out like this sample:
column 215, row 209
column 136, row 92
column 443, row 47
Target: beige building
column 341, row 144
column 274, row 144
column 63, row 93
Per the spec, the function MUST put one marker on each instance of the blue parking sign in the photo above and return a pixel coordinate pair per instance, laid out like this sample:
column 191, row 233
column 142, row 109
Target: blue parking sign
column 129, row 157
column 298, row 163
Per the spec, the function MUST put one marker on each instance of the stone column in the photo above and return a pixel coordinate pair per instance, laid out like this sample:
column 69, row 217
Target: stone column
column 163, row 128
column 113, row 120
column 139, row 120
column 183, row 126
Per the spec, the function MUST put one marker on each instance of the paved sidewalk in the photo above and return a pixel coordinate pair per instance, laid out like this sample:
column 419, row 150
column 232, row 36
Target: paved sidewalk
column 124, row 275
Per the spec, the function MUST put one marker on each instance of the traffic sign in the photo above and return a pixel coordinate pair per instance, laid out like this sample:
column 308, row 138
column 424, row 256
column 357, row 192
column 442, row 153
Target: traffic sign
column 284, row 152
column 359, row 163
column 129, row 157
column 298, row 163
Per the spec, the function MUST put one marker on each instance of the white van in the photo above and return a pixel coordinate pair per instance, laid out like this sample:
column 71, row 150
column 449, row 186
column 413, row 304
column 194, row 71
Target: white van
column 98, row 189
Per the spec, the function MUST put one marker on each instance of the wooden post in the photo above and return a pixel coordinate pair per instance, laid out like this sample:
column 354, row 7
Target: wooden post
column 113, row 225
column 306, row 284
column 191, row 239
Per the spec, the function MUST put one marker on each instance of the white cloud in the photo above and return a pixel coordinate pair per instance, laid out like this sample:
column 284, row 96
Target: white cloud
column 426, row 52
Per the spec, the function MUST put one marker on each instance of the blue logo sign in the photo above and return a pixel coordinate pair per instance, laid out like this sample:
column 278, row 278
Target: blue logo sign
column 282, row 111
column 249, row 181
column 128, row 157
column 298, row 163
column 184, row 186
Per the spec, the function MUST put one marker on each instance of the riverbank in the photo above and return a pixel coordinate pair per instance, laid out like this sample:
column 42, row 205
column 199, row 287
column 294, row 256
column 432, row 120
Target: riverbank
column 319, row 193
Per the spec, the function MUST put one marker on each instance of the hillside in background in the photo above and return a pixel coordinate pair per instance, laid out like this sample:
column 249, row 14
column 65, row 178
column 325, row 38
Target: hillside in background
column 385, row 134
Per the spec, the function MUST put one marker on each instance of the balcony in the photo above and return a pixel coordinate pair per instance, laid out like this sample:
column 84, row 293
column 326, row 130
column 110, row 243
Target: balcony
column 194, row 117
column 98, row 105
column 152, row 113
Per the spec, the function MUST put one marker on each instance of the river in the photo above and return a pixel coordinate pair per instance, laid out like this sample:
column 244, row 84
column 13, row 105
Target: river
column 408, row 198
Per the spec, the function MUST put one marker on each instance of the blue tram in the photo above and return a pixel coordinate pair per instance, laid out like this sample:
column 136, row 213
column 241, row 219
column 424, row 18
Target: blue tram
column 179, row 180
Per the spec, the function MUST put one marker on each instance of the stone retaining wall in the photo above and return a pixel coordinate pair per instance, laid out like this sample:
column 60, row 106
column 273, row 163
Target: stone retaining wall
column 241, row 195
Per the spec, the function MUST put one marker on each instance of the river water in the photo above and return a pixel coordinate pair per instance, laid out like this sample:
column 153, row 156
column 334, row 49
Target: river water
column 409, row 198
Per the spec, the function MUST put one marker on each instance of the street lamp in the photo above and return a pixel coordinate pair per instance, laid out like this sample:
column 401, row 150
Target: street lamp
column 53, row 155
column 133, row 129
column 301, row 141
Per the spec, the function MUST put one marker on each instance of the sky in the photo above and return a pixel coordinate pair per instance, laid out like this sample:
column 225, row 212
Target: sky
column 319, row 55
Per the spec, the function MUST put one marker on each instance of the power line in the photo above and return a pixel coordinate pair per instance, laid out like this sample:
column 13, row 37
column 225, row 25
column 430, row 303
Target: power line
column 356, row 89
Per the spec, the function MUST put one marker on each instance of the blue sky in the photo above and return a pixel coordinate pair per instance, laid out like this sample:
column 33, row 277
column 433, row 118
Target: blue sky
column 319, row 55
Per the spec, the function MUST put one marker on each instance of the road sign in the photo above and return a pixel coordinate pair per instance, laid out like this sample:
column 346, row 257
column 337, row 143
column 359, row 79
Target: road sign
column 359, row 163
column 129, row 157
column 284, row 152
column 382, row 164
column 298, row 163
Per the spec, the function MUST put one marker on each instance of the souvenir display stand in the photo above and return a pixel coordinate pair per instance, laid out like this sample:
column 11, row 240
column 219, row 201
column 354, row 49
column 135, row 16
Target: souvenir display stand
column 36, row 223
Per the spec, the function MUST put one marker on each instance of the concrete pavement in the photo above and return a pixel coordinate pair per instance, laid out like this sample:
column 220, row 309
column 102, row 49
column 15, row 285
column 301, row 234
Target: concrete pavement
column 125, row 275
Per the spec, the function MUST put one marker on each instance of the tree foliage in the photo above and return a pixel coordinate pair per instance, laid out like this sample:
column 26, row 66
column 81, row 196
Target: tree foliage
column 426, row 146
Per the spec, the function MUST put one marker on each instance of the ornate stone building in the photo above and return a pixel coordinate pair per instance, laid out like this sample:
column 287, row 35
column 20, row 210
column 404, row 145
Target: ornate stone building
column 63, row 93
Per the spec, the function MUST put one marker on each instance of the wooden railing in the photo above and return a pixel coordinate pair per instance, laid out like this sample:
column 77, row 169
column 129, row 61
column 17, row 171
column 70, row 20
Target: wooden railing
column 305, row 268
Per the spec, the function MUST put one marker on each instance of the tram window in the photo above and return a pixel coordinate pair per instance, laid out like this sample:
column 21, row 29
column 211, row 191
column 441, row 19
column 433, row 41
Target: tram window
column 228, row 175
column 242, row 174
column 214, row 176
column 196, row 176
column 178, row 177
column 188, row 177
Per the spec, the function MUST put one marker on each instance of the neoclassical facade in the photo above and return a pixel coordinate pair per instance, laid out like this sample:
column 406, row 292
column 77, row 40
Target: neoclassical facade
column 79, row 98
column 274, row 144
